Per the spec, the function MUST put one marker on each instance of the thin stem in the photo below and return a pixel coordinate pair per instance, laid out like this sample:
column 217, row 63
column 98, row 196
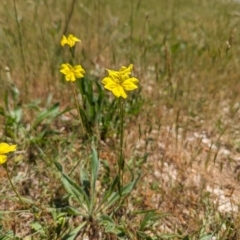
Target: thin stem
column 99, row 16
column 121, row 155
column 21, row 49
column 131, row 21
column 131, row 29
column 13, row 188
column 72, row 52
column 69, row 16
column 77, row 106
column 66, row 25
column 17, row 194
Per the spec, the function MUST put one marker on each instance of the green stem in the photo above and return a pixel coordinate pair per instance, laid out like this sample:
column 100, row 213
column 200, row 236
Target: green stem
column 17, row 194
column 21, row 49
column 13, row 188
column 121, row 154
column 77, row 106
column 72, row 52
column 69, row 16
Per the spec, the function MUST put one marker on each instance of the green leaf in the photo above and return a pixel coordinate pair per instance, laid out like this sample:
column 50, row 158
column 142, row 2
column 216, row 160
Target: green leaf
column 109, row 192
column 49, row 114
column 85, row 119
column 37, row 227
column 94, row 169
column 90, row 112
column 59, row 166
column 6, row 101
column 146, row 221
column 7, row 235
column 14, row 92
column 2, row 112
column 109, row 224
column 76, row 191
column 85, row 182
column 18, row 114
column 114, row 197
column 49, row 100
column 170, row 236
column 74, row 233
column 145, row 236
column 34, row 105
column 150, row 217
column 73, row 211
column 94, row 175
column 207, row 236
column 89, row 93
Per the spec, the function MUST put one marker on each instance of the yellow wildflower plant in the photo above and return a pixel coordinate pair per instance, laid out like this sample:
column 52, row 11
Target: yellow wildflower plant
column 70, row 40
column 72, row 72
column 4, row 149
column 120, row 81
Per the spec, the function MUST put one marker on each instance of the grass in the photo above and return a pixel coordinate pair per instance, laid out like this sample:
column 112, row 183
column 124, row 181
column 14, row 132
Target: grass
column 181, row 126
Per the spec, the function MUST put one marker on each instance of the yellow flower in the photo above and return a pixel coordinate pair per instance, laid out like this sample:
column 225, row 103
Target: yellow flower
column 118, row 81
column 70, row 40
column 72, row 72
column 4, row 149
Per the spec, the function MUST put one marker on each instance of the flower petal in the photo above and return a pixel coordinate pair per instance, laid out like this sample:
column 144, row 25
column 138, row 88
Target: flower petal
column 119, row 91
column 6, row 148
column 64, row 40
column 118, row 81
column 79, row 75
column 65, row 68
column 111, row 71
column 111, row 85
column 125, row 72
column 133, row 80
column 70, row 77
column 72, row 40
column 79, row 71
column 72, row 72
column 107, row 80
column 115, row 75
column 3, row 159
column 129, row 84
column 79, row 68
